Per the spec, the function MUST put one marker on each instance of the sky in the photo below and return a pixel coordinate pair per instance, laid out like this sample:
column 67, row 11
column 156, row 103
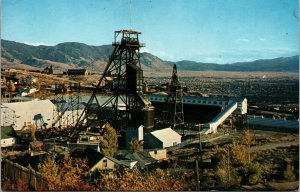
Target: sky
column 217, row 31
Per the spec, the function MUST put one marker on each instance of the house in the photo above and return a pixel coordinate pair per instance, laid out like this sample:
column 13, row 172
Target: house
column 77, row 72
column 162, row 138
column 159, row 154
column 97, row 161
column 143, row 159
column 8, row 136
column 35, row 112
column 26, row 91
column 86, row 136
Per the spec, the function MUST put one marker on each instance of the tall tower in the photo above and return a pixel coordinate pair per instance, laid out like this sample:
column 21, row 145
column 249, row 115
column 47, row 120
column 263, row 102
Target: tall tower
column 123, row 80
column 173, row 109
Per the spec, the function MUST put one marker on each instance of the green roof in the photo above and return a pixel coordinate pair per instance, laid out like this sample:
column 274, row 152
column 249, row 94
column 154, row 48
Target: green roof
column 7, row 132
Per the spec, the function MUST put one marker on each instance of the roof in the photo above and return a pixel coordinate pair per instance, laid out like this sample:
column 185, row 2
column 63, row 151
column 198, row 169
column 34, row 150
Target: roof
column 165, row 135
column 21, row 98
column 76, row 69
column 29, row 105
column 68, row 106
column 92, row 155
column 89, row 153
column 280, row 123
column 142, row 157
column 7, row 132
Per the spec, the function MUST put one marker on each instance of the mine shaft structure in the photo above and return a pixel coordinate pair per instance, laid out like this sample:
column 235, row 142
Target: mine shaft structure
column 122, row 80
column 172, row 112
column 66, row 113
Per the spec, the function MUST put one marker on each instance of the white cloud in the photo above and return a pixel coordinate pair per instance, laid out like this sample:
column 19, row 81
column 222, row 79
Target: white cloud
column 242, row 40
column 262, row 39
column 36, row 43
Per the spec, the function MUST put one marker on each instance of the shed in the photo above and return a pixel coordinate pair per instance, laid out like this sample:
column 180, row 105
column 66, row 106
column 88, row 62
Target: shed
column 162, row 138
column 8, row 136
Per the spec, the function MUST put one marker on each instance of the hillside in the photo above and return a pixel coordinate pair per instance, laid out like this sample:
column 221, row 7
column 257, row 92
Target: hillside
column 277, row 64
column 78, row 55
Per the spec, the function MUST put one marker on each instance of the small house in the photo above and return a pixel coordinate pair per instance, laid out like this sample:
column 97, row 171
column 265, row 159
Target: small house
column 96, row 160
column 162, row 138
column 8, row 136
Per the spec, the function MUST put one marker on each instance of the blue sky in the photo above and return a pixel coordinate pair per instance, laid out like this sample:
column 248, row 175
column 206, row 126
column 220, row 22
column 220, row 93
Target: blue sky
column 221, row 31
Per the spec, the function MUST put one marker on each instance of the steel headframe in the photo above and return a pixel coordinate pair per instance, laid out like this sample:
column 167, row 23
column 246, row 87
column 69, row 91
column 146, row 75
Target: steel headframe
column 173, row 108
column 126, row 53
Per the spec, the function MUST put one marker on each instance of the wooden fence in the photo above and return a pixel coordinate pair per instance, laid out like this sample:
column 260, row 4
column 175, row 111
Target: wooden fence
column 14, row 171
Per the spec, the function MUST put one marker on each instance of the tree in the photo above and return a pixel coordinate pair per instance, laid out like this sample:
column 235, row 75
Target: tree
column 11, row 86
column 109, row 141
column 136, row 145
column 288, row 174
column 50, row 171
column 135, row 180
column 67, row 174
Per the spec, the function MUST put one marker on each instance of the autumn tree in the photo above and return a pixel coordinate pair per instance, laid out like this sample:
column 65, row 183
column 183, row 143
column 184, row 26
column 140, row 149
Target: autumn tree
column 288, row 174
column 67, row 174
column 50, row 171
column 136, row 145
column 11, row 86
column 233, row 165
column 135, row 180
column 109, row 141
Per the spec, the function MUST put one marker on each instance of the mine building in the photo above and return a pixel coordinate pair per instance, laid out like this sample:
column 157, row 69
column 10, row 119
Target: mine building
column 78, row 72
column 162, row 138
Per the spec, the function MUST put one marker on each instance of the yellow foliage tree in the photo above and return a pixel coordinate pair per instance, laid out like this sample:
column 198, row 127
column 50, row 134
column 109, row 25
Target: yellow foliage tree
column 68, row 175
column 109, row 141
column 136, row 145
column 135, row 180
column 11, row 86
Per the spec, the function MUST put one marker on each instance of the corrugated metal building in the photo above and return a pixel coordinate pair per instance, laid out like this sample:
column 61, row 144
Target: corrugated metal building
column 162, row 138
column 30, row 113
column 8, row 116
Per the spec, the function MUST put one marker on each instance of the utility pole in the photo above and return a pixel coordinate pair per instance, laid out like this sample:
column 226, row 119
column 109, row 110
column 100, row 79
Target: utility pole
column 201, row 160
column 198, row 179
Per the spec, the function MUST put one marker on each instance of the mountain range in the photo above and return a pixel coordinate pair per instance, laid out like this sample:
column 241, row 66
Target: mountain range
column 78, row 55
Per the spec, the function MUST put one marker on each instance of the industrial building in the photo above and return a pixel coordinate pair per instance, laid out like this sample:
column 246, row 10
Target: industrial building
column 162, row 138
column 77, row 72
column 40, row 113
column 8, row 116
column 272, row 124
column 35, row 112
column 210, row 111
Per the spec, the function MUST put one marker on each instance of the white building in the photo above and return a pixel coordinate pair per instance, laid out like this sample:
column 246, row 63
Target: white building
column 36, row 112
column 8, row 138
column 162, row 138
column 8, row 116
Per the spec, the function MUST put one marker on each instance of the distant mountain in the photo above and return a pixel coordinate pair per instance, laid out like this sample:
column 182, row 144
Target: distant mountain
column 277, row 64
column 78, row 55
